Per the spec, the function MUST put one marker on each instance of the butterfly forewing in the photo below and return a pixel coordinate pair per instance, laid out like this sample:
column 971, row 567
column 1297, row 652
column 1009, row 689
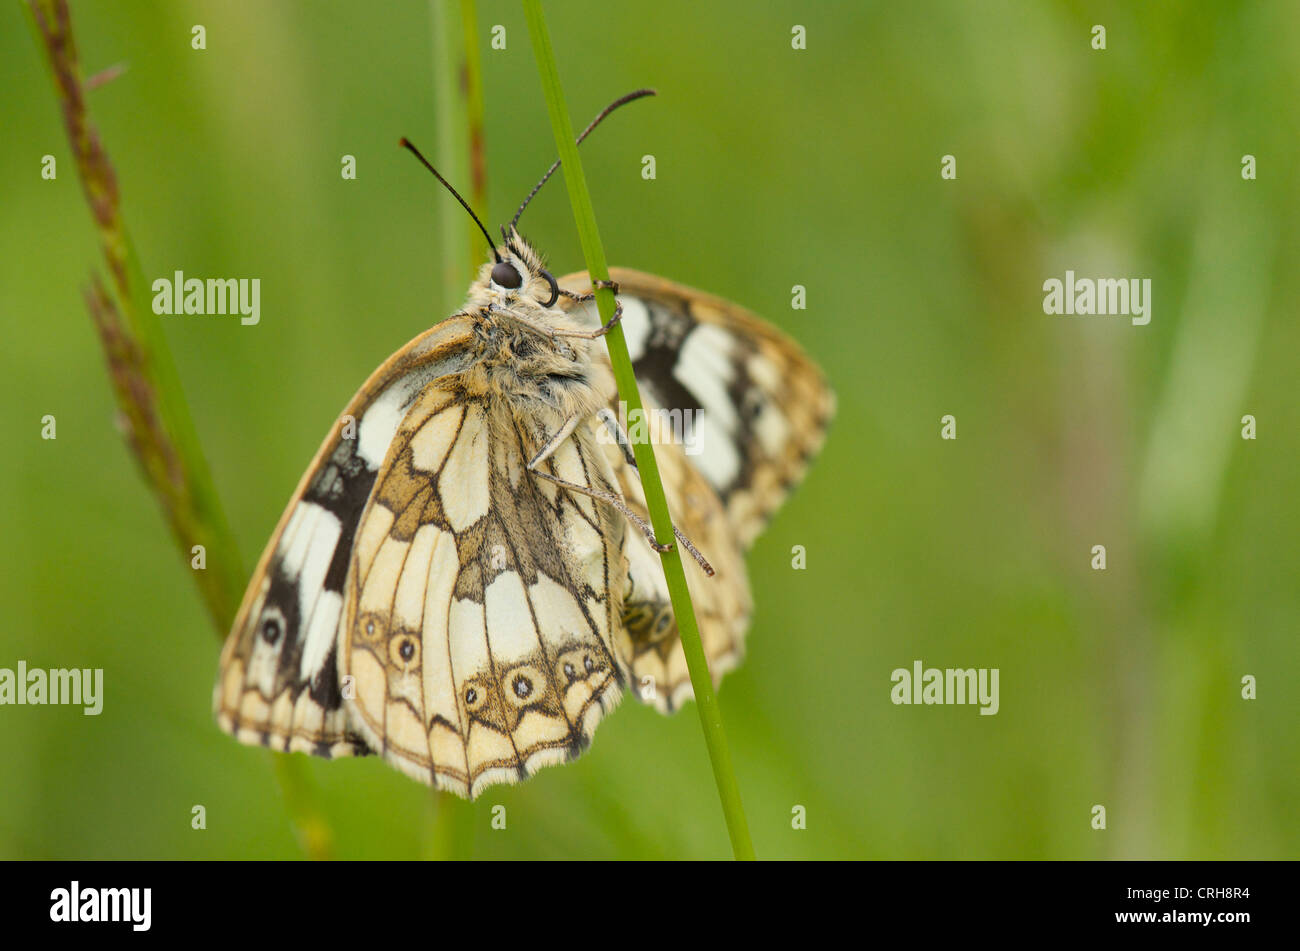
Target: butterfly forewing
column 279, row 683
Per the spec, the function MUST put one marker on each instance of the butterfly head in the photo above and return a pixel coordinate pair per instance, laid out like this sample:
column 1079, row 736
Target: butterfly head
column 515, row 277
column 515, row 281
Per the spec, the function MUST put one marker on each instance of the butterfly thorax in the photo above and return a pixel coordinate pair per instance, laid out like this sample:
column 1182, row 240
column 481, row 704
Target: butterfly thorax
column 535, row 373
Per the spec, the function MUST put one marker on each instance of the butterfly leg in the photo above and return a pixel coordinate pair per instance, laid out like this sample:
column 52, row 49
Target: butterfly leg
column 606, row 416
column 551, row 445
column 553, row 334
column 599, row 331
column 612, row 424
column 609, row 498
column 612, row 499
column 583, row 298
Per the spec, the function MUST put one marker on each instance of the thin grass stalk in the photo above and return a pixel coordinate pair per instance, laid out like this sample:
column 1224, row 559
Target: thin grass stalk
column 683, row 610
column 153, row 412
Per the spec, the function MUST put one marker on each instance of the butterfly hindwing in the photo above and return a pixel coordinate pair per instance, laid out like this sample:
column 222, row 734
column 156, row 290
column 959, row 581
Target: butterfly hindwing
column 746, row 410
column 279, row 683
column 757, row 406
column 721, row 603
column 482, row 627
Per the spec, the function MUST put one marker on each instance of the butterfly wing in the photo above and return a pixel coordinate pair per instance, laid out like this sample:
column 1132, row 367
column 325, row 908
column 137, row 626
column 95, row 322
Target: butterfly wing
column 279, row 683
column 750, row 409
column 722, row 603
column 483, row 605
column 757, row 406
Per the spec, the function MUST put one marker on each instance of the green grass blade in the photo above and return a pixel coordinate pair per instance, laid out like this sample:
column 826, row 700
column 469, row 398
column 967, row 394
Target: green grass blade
column 594, row 254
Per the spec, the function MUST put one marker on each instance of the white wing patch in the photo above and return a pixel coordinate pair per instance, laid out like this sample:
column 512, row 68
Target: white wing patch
column 509, row 618
column 706, row 365
column 297, row 537
column 718, row 457
column 379, row 423
column 323, row 539
column 636, row 325
column 376, row 428
column 320, row 633
column 465, row 496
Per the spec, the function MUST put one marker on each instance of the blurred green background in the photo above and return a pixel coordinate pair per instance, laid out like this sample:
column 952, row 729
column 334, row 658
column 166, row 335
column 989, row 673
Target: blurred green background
column 775, row 167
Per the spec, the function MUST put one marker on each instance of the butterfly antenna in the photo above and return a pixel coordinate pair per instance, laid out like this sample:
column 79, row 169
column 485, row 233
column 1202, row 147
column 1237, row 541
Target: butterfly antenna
column 406, row 144
column 621, row 101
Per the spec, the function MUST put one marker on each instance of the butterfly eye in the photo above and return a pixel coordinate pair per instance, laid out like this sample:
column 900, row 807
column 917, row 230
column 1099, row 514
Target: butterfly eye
column 555, row 288
column 504, row 274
